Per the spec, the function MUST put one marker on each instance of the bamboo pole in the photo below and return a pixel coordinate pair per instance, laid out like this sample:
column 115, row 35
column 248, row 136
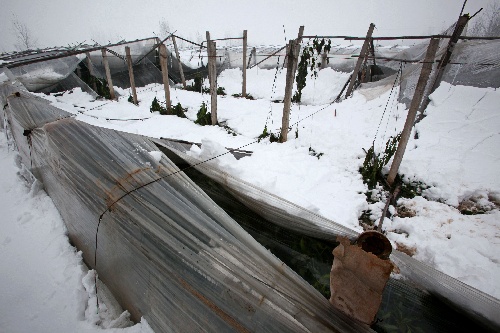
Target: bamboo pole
column 183, row 80
column 244, row 83
column 412, row 112
column 164, row 73
column 131, row 74
column 361, row 58
column 108, row 74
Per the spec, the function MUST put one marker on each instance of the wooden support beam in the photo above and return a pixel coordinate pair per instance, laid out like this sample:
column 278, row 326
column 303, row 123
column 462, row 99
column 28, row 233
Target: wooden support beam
column 131, row 74
column 90, row 67
column 445, row 59
column 297, row 47
column 412, row 112
column 290, row 75
column 253, row 57
column 244, row 83
column 293, row 51
column 323, row 60
column 212, row 76
column 164, row 73
column 108, row 74
column 183, row 80
column 213, row 83
column 364, row 50
column 459, row 28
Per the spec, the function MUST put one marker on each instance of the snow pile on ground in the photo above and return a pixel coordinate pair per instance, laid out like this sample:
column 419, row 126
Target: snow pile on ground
column 44, row 285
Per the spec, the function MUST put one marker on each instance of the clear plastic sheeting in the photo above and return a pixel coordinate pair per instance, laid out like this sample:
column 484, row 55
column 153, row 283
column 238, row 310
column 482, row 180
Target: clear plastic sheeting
column 473, row 63
column 40, row 75
column 144, row 60
column 477, row 304
column 159, row 243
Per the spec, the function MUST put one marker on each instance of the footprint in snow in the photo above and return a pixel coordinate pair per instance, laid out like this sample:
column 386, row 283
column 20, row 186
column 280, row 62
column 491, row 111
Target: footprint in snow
column 25, row 218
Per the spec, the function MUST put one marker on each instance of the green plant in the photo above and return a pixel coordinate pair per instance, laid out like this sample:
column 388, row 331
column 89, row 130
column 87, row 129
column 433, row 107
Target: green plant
column 155, row 106
column 308, row 60
column 203, row 117
column 130, row 99
column 221, row 91
column 197, row 84
column 178, row 110
column 313, row 152
column 229, row 130
column 265, row 134
column 247, row 96
column 373, row 163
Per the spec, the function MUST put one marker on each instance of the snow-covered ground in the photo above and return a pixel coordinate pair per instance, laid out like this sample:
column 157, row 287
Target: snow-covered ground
column 457, row 155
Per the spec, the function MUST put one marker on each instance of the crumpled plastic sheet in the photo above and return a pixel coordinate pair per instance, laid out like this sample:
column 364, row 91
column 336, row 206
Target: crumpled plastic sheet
column 479, row 305
column 41, row 75
column 159, row 243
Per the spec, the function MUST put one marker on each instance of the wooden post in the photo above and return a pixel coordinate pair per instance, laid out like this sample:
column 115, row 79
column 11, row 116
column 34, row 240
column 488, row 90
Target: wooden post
column 361, row 58
column 212, row 77
column 108, row 74
column 244, row 83
column 131, row 74
column 297, row 48
column 293, row 51
column 90, row 67
column 213, row 83
column 290, row 75
column 323, row 60
column 183, row 80
column 254, row 57
column 412, row 112
column 164, row 73
column 461, row 23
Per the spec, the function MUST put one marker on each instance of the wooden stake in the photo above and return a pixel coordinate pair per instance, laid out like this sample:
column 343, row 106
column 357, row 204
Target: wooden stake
column 323, row 60
column 412, row 112
column 164, row 73
column 90, row 67
column 213, row 83
column 244, row 83
column 108, row 74
column 459, row 28
column 361, row 58
column 183, row 80
column 131, row 74
column 212, row 77
column 293, row 51
column 297, row 47
column 287, row 102
column 253, row 56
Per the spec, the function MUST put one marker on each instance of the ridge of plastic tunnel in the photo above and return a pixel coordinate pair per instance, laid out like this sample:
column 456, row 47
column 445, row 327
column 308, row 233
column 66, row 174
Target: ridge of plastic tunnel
column 166, row 250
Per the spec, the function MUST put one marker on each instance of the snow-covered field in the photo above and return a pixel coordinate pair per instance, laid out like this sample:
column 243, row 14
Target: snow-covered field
column 457, row 155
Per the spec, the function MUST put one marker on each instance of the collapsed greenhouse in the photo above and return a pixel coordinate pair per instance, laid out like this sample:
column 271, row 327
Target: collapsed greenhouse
column 162, row 243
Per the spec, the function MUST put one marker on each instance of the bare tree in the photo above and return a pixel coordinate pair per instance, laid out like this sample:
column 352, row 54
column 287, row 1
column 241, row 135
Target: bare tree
column 488, row 22
column 164, row 29
column 25, row 38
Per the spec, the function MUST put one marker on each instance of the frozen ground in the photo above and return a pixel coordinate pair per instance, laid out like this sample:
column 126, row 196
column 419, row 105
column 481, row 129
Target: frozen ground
column 456, row 156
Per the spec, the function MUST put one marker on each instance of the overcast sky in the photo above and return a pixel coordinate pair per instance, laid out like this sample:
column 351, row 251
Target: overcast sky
column 68, row 22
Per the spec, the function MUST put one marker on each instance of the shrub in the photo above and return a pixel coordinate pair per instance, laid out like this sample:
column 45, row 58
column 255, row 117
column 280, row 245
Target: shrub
column 203, row 117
